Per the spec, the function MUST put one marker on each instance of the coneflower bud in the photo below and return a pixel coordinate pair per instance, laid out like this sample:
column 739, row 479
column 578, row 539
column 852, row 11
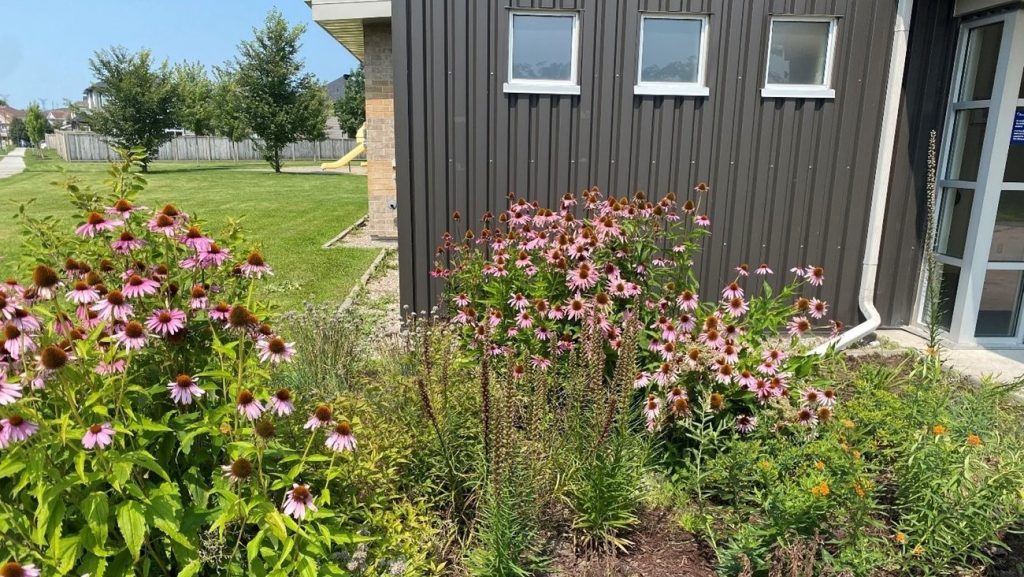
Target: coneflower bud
column 264, row 429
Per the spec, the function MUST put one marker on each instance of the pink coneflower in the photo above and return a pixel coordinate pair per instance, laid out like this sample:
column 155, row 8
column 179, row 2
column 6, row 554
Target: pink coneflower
column 763, row 270
column 461, row 300
column 576, row 308
column 112, row 368
column 16, row 428
column 815, row 275
column 281, row 403
column 275, row 350
column 9, row 391
column 113, row 307
column 737, row 307
column 183, row 390
column 746, row 379
column 248, row 406
column 98, row 436
column 702, row 220
column 132, row 336
column 255, row 267
column 743, row 270
column 732, row 291
column 83, row 294
column 197, row 298
column 798, row 326
column 124, row 208
column 652, row 408
column 220, row 312
column 195, row 239
column 25, row 321
column 712, row 338
column 810, row 396
column 687, row 300
column 837, row 327
column 341, row 439
column 676, row 393
column 238, row 471
column 582, row 277
column 524, row 321
column 321, row 417
column 13, row 569
column 540, row 363
column 518, row 301
column 798, row 271
column 94, row 223
column 16, row 342
column 126, row 242
column 298, row 501
column 137, row 286
column 45, row 282
column 807, row 417
column 166, row 321
column 818, row 308
column 827, row 398
column 745, row 424
column 163, row 224
column 214, row 255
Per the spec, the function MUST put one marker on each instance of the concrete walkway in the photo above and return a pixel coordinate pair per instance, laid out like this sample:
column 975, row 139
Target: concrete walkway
column 977, row 363
column 13, row 163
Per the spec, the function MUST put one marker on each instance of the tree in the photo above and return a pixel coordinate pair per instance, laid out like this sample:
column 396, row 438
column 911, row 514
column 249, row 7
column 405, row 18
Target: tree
column 351, row 107
column 277, row 101
column 16, row 131
column 138, row 109
column 194, row 102
column 35, row 124
column 227, row 115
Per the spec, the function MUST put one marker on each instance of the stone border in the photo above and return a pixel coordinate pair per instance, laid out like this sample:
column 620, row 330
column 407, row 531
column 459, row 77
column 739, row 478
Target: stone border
column 344, row 233
column 363, row 280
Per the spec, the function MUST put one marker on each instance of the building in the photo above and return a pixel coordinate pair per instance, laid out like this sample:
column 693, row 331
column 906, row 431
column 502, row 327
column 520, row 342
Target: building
column 62, row 119
column 336, row 88
column 810, row 120
column 7, row 116
column 92, row 97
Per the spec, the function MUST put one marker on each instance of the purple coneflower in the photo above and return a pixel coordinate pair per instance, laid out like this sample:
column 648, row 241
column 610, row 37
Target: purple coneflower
column 238, row 471
column 652, row 408
column 45, row 280
column 126, row 242
column 827, row 398
column 518, row 301
column 124, row 208
column 214, row 255
column 197, row 298
column 98, row 436
column 737, row 307
column 807, row 417
column 163, row 224
column 132, row 336
column 16, row 428
column 732, row 290
column 746, row 424
column 113, row 307
column 14, row 569
column 702, row 220
column 255, row 266
column 183, row 390
column 810, row 396
column 220, row 312
column 281, row 403
column 763, row 270
column 248, row 406
column 815, row 275
column 94, row 223
column 83, row 294
column 275, row 350
column 341, row 439
column 818, row 308
column 166, row 321
column 195, row 239
column 321, row 417
column 137, row 286
column 298, row 501
column 9, row 391
column 112, row 368
column 798, row 326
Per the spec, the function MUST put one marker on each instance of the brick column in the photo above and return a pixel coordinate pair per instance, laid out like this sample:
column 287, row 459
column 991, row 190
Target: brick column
column 380, row 129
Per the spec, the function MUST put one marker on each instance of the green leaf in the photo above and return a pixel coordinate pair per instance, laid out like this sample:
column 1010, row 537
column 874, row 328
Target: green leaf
column 10, row 467
column 191, row 569
column 132, row 523
column 96, row 509
column 145, row 460
column 276, row 524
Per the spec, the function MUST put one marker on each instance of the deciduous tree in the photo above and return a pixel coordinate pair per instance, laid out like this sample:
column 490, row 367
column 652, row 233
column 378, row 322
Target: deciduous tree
column 351, row 107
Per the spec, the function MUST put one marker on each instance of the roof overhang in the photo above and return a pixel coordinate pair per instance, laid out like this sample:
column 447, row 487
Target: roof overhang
column 964, row 7
column 343, row 19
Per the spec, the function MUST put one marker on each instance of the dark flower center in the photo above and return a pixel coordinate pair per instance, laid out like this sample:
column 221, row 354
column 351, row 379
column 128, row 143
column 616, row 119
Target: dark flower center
column 344, row 429
column 44, row 277
column 255, row 259
column 11, row 332
column 127, row 236
column 198, row 292
column 134, row 330
column 169, row 210
column 240, row 316
column 15, row 420
column 95, row 429
column 123, row 205
column 164, row 221
column 12, row 569
column 276, row 346
column 222, row 308
column 265, row 429
column 81, row 286
column 805, row 414
column 283, row 395
column 53, row 357
column 301, row 494
column 135, row 280
column 323, row 413
column 241, row 468
column 183, row 381
column 115, row 298
column 245, row 397
column 95, row 218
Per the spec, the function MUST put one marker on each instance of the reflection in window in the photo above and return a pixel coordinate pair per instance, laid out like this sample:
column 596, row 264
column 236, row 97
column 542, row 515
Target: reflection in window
column 954, row 217
column 968, row 139
column 980, row 62
column 799, row 52
column 948, row 285
column 670, row 50
column 542, row 47
column 1000, row 302
column 1008, row 234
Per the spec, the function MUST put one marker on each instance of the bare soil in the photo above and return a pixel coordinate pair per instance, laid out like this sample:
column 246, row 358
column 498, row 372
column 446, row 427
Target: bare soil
column 660, row 549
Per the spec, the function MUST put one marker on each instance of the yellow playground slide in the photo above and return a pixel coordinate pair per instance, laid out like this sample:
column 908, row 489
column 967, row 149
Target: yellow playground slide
column 352, row 154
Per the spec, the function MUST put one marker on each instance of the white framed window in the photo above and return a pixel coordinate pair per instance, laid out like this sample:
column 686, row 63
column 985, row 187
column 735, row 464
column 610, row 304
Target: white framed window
column 801, row 52
column 543, row 53
column 673, row 55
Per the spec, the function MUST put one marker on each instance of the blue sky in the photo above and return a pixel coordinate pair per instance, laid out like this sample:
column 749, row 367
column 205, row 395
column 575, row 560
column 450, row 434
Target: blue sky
column 45, row 45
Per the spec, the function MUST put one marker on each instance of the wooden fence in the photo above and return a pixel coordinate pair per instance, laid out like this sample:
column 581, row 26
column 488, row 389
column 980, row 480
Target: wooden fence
column 92, row 146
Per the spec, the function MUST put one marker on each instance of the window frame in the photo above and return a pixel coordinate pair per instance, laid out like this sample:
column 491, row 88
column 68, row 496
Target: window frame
column 655, row 88
column 820, row 91
column 535, row 86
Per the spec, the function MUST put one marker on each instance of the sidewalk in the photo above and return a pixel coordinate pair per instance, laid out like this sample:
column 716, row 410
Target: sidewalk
column 13, row 163
column 977, row 363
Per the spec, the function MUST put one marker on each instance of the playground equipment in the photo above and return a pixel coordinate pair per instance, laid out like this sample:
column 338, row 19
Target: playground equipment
column 353, row 154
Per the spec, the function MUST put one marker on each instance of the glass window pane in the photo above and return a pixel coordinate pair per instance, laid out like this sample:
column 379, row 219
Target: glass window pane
column 1000, row 304
column 968, row 138
column 980, row 62
column 1015, row 155
column 797, row 53
column 542, row 47
column 948, row 284
column 954, row 216
column 1008, row 235
column 670, row 51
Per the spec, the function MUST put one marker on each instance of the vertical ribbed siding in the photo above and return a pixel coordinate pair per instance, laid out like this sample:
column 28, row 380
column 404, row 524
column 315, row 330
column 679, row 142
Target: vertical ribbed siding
column 791, row 178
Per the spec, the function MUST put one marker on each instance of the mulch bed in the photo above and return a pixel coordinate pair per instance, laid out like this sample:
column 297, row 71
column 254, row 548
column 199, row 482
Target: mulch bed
column 660, row 549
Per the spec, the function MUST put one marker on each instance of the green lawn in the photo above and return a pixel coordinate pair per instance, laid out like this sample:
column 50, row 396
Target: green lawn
column 291, row 215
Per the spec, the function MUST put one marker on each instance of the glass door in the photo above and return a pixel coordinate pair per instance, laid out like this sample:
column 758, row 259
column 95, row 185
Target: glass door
column 980, row 241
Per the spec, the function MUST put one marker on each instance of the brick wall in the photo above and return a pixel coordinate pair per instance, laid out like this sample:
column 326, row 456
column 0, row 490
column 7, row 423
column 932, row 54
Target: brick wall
column 380, row 129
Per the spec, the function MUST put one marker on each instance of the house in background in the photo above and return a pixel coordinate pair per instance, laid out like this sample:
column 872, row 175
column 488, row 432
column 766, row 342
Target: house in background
column 62, row 119
column 7, row 116
column 92, row 97
column 335, row 90
column 809, row 119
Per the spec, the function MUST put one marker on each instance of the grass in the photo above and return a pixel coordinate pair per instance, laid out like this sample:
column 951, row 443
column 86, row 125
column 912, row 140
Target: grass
column 289, row 215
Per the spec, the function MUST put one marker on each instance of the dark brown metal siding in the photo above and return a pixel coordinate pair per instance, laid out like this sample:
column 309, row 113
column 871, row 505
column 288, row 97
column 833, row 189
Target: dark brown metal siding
column 925, row 89
column 791, row 178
